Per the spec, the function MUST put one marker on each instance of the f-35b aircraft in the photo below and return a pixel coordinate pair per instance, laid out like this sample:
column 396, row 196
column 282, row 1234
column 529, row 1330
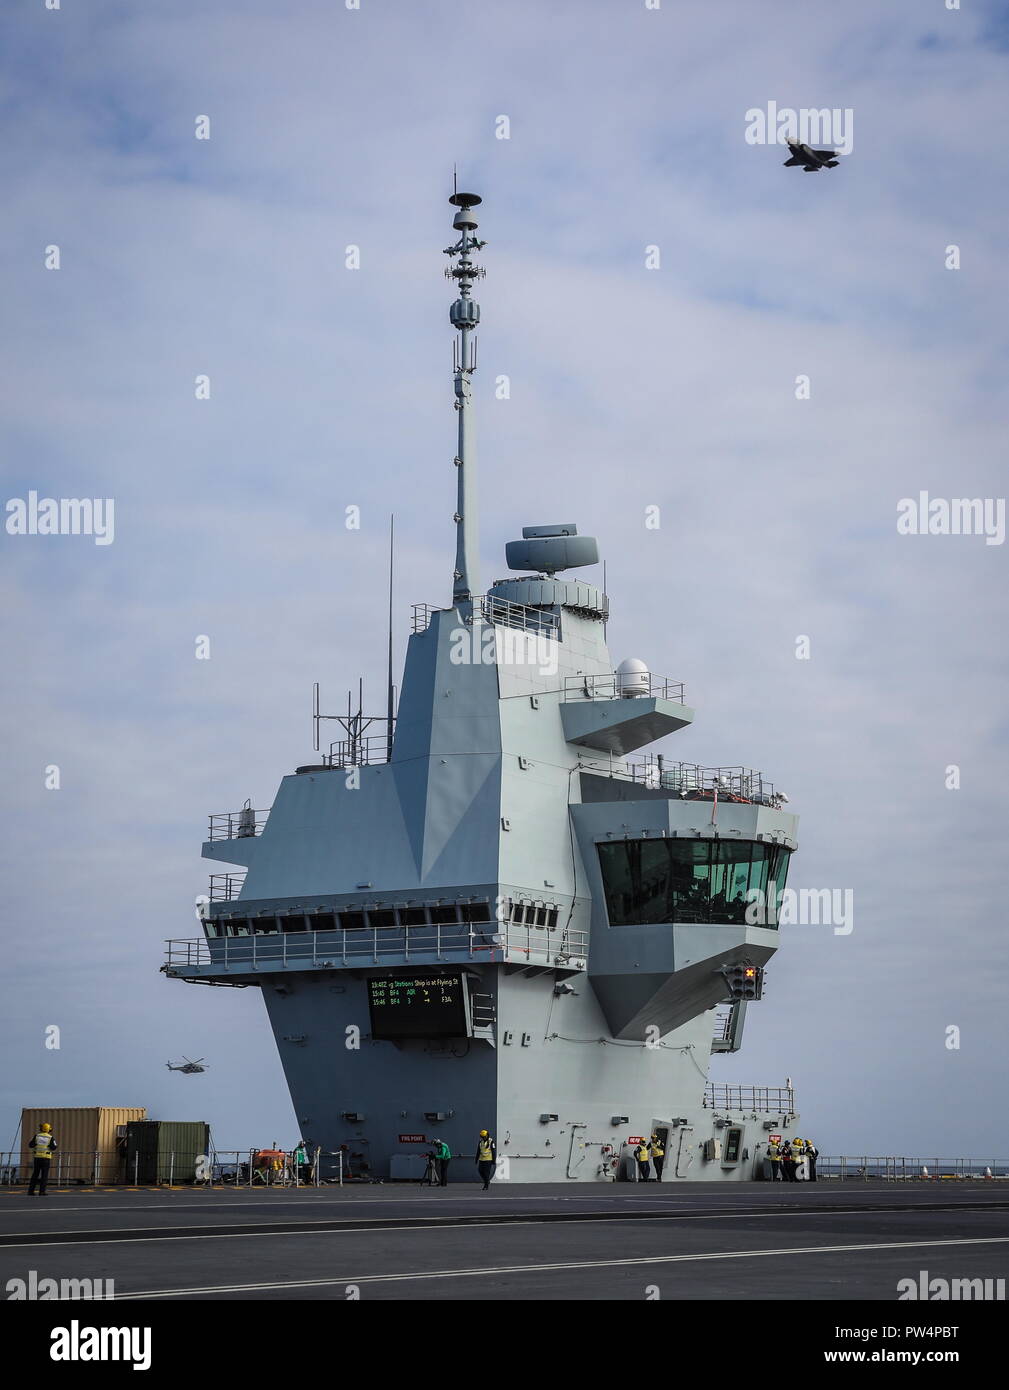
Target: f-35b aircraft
column 811, row 160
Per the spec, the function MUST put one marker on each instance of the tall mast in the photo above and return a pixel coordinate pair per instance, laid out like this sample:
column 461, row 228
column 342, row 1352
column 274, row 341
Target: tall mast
column 465, row 315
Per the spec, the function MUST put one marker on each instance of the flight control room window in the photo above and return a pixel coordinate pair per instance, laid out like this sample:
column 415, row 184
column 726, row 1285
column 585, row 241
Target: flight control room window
column 673, row 880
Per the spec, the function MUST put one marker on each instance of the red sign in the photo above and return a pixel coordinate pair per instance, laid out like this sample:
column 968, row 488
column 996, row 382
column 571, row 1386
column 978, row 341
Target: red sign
column 412, row 1139
column 636, row 1139
column 774, row 1138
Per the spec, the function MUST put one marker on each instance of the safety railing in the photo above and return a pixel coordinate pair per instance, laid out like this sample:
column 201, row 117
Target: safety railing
column 690, row 781
column 354, row 945
column 722, row 1028
column 771, row 1099
column 358, row 752
column 237, row 825
column 421, row 615
column 888, row 1168
column 611, row 685
column 217, row 1167
column 520, row 616
column 225, row 888
column 499, row 611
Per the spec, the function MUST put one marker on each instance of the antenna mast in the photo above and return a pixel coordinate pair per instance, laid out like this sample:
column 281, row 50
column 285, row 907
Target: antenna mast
column 390, row 713
column 464, row 316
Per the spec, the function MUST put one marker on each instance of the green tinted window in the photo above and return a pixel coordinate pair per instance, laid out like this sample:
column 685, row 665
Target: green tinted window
column 688, row 880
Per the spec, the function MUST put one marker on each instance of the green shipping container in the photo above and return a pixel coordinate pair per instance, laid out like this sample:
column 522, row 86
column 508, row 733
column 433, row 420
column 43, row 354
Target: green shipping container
column 165, row 1150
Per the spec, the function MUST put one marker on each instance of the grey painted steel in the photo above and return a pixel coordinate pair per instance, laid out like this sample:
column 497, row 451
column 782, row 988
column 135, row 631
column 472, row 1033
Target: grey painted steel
column 506, row 774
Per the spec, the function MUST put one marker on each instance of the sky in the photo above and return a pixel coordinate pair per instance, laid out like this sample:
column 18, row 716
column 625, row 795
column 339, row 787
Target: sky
column 632, row 385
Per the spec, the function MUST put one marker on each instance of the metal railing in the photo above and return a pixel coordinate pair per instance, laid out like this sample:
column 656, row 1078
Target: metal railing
column 237, row 1167
column 421, row 616
column 770, row 1099
column 611, row 685
column 357, row 752
column 690, row 781
column 499, row 611
column 225, row 888
column 888, row 1168
column 343, row 946
column 237, row 825
column 722, row 1029
column 504, row 613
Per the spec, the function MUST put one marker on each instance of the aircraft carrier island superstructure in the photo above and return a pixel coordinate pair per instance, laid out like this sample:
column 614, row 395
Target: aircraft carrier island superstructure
column 499, row 914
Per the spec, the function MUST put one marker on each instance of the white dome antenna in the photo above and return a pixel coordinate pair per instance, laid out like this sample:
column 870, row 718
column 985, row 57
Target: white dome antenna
column 633, row 678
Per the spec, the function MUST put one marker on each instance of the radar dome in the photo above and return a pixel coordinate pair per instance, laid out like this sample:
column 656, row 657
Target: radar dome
column 633, row 678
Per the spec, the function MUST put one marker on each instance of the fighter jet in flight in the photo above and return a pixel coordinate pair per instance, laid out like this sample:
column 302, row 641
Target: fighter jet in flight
column 189, row 1068
column 811, row 160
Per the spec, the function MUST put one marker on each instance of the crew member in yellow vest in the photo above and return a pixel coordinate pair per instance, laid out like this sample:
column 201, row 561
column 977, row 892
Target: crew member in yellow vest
column 43, row 1146
column 486, row 1156
column 658, row 1156
column 774, row 1158
column 641, row 1157
column 788, row 1161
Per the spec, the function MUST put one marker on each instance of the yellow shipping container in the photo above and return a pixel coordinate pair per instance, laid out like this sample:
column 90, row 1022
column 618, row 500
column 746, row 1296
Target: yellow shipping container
column 87, row 1141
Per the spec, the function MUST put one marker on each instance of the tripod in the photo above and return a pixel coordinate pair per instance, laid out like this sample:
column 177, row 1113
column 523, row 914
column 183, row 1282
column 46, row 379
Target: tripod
column 432, row 1177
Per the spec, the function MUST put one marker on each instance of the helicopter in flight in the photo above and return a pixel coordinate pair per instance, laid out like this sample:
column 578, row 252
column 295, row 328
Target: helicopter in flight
column 187, row 1067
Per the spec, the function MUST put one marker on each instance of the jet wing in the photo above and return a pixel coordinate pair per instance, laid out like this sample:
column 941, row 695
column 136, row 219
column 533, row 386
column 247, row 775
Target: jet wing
column 825, row 154
column 791, row 163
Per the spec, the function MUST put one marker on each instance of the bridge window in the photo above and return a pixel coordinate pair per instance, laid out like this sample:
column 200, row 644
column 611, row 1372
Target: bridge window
column 673, row 880
column 351, row 921
column 412, row 916
column 444, row 914
column 322, row 921
column 296, row 923
column 382, row 917
column 475, row 912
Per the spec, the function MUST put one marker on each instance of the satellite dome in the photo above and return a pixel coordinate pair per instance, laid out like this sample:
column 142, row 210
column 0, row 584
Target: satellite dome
column 633, row 678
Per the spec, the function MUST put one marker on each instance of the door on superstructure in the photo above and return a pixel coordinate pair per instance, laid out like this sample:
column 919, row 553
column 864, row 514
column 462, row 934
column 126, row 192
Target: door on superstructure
column 684, row 1150
column 661, row 1133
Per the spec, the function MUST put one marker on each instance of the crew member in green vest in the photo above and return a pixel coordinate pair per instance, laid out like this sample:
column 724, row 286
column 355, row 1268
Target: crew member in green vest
column 300, row 1161
column 43, row 1146
column 486, row 1155
column 658, row 1156
column 442, row 1154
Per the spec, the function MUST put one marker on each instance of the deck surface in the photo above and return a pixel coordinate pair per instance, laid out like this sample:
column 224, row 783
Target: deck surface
column 829, row 1241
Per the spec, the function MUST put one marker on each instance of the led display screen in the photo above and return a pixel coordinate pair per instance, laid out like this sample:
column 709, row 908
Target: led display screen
column 418, row 1005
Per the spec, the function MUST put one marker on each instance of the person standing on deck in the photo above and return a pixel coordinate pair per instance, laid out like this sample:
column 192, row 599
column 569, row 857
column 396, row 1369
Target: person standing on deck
column 43, row 1146
column 486, row 1155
